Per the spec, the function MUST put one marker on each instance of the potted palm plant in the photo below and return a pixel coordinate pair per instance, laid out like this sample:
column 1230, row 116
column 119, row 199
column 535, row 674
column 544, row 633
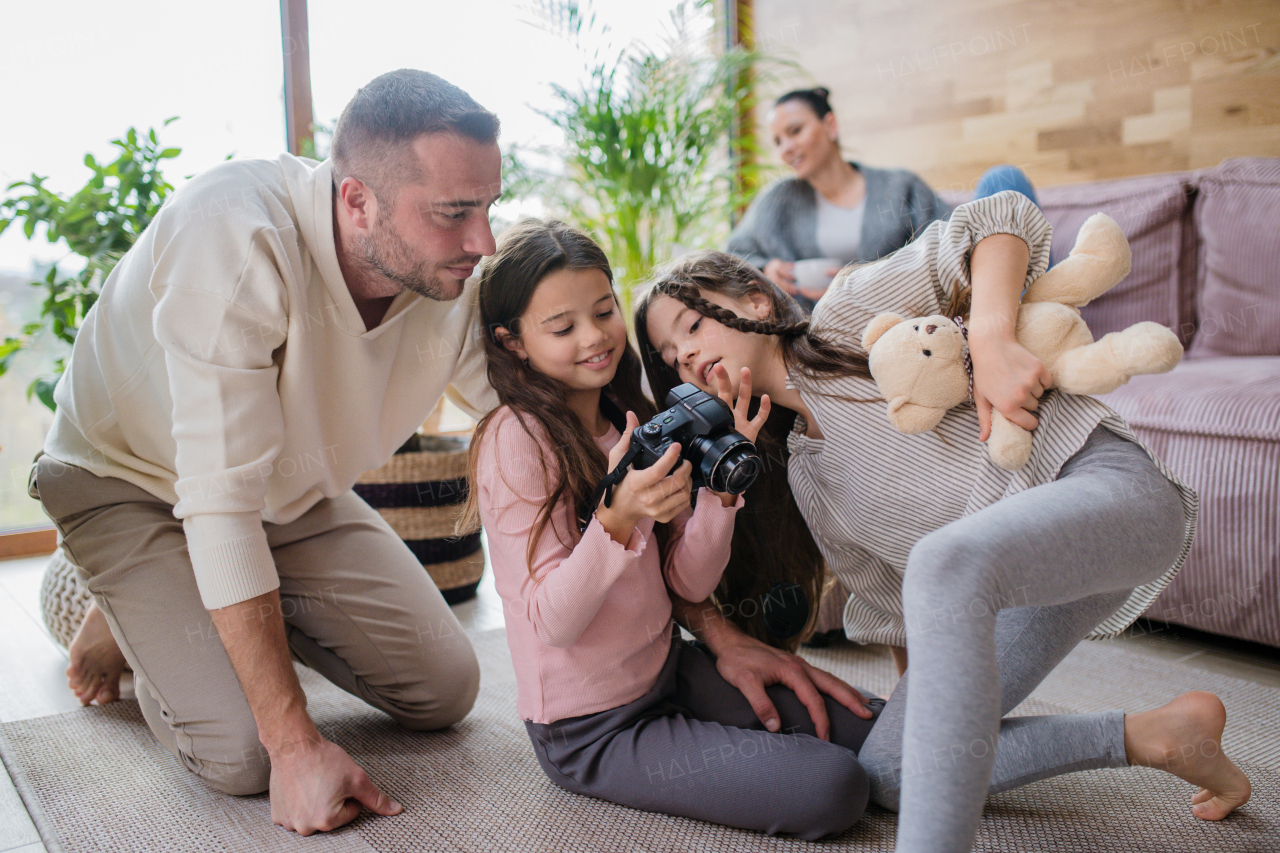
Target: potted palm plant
column 651, row 166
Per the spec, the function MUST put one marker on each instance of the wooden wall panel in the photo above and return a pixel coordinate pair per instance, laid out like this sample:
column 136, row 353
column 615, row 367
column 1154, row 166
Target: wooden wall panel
column 1070, row 90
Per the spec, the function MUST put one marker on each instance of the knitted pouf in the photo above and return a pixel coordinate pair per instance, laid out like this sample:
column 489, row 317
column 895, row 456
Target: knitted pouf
column 420, row 492
column 63, row 599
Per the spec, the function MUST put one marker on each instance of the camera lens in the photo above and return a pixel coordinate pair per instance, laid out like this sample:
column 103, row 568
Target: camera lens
column 741, row 473
column 728, row 463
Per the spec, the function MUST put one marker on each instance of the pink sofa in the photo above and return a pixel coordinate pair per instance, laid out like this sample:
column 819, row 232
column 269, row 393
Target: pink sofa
column 1206, row 263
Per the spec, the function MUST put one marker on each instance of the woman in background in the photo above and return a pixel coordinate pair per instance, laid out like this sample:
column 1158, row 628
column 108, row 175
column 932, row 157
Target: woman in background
column 835, row 208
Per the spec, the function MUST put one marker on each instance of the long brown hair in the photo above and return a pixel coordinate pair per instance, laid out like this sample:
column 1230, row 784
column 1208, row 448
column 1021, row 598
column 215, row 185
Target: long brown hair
column 527, row 253
column 771, row 541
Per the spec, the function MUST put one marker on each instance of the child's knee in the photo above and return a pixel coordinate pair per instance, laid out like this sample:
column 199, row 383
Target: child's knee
column 949, row 565
column 846, row 789
column 928, row 559
column 854, row 787
column 881, row 759
column 886, row 789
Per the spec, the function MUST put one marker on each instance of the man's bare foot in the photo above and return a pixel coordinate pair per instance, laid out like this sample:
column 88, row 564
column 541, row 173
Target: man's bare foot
column 1185, row 738
column 96, row 661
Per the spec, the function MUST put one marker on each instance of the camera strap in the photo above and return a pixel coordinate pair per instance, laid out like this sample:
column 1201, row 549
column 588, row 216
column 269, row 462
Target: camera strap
column 605, row 489
column 612, row 413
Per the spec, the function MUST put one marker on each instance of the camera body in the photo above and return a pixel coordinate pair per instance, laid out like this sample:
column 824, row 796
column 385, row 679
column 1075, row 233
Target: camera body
column 723, row 459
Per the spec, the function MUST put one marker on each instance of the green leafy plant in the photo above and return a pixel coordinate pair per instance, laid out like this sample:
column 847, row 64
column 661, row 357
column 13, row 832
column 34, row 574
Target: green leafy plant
column 651, row 166
column 317, row 145
column 98, row 223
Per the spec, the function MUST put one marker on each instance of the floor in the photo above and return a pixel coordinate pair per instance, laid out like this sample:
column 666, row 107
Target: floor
column 32, row 666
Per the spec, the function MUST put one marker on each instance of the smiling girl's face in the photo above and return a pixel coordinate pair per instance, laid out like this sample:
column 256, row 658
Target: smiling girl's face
column 694, row 344
column 572, row 330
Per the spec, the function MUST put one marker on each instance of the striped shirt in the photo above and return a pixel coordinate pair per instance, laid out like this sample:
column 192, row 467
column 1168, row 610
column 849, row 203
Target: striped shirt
column 869, row 492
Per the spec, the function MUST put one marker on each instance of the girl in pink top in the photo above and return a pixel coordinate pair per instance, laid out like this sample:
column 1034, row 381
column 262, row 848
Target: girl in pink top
column 617, row 705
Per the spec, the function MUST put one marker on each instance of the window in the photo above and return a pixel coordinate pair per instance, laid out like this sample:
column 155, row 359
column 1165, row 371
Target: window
column 84, row 74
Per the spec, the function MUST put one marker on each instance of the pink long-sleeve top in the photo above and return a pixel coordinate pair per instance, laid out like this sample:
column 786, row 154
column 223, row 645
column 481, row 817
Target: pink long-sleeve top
column 591, row 627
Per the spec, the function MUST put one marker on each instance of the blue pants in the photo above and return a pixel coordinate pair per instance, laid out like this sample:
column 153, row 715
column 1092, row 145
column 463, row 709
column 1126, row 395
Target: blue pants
column 999, row 178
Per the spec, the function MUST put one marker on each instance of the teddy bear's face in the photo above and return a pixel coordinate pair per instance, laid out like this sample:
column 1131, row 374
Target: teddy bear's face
column 918, row 365
column 924, row 359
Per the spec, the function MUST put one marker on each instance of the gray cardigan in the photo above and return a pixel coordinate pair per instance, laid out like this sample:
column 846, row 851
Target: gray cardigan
column 782, row 221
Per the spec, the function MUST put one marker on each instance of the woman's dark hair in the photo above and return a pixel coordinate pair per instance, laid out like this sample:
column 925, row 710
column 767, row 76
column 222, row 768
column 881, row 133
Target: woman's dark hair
column 771, row 541
column 527, row 253
column 817, row 99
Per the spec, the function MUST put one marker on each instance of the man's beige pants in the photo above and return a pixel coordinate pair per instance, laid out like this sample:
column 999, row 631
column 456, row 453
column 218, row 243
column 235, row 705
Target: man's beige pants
column 358, row 609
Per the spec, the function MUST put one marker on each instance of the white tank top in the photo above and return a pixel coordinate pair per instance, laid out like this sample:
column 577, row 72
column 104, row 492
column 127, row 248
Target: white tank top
column 839, row 229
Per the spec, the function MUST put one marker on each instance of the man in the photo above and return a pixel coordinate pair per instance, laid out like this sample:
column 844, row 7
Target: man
column 281, row 327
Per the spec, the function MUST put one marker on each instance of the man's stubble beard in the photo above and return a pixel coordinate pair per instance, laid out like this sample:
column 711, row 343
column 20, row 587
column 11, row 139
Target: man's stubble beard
column 385, row 253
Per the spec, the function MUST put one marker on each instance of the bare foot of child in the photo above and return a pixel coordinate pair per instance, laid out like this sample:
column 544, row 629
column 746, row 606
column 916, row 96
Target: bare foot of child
column 1184, row 738
column 96, row 661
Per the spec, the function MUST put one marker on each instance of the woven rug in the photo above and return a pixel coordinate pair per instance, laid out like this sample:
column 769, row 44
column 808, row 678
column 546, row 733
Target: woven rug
column 95, row 779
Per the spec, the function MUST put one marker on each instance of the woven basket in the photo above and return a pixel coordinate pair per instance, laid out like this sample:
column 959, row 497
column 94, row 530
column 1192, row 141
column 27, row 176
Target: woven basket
column 420, row 492
column 63, row 599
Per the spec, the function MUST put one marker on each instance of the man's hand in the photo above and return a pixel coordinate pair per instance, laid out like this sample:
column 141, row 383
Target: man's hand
column 751, row 666
column 316, row 787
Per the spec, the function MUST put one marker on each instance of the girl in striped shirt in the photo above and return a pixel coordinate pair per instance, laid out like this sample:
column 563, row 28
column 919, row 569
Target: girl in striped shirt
column 988, row 578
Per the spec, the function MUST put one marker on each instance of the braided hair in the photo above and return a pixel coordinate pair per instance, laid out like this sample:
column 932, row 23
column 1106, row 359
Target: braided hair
column 771, row 541
column 690, row 296
column 803, row 352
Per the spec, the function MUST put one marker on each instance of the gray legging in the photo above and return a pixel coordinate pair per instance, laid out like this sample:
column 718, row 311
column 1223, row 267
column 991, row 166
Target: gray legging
column 992, row 603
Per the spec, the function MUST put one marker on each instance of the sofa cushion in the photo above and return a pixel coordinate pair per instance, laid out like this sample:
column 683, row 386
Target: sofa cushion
column 1237, row 214
column 1223, row 397
column 1154, row 211
column 1216, row 423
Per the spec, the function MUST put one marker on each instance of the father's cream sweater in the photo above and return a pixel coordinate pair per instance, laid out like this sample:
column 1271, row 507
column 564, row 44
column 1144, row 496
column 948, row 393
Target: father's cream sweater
column 226, row 370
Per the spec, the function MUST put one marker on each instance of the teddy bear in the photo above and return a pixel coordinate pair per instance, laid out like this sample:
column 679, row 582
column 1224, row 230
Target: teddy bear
column 920, row 364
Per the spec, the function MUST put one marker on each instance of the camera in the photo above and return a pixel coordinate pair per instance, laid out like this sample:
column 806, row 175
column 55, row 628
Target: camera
column 723, row 459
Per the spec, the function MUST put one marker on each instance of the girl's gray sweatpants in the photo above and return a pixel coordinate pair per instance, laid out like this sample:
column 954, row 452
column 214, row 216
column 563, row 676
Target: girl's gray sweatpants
column 992, row 603
column 693, row 747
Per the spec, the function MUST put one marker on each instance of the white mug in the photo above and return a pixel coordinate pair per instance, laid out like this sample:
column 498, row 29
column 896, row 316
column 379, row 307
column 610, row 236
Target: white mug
column 813, row 274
